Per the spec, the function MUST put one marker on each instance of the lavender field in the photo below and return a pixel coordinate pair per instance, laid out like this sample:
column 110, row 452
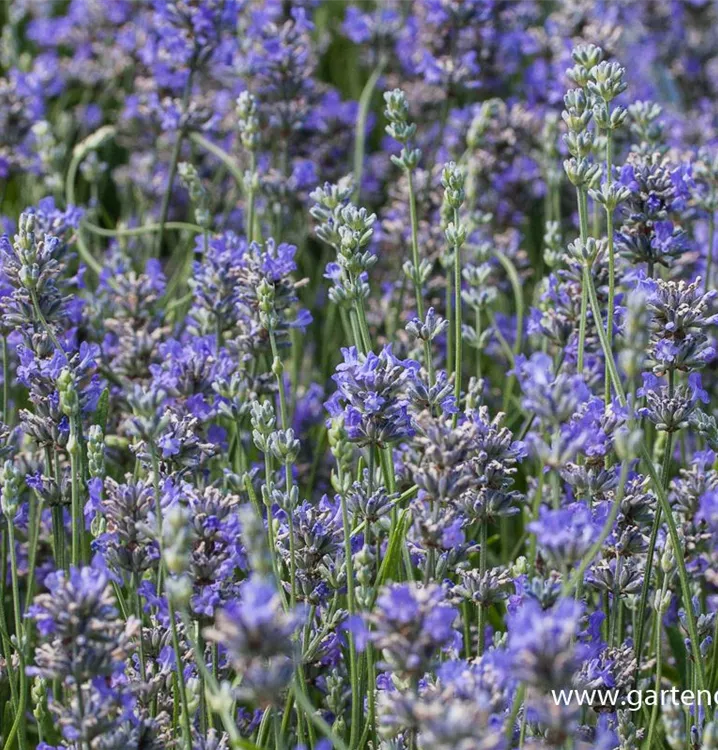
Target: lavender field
column 359, row 375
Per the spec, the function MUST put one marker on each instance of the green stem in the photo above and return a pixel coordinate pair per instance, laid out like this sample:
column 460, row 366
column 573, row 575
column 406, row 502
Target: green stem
column 80, row 151
column 583, row 223
column 650, row 552
column 43, row 322
column 164, row 210
column 611, row 264
column 91, row 143
column 711, row 238
column 351, row 606
column 483, row 542
column 360, row 129
column 415, row 243
column 156, row 487
column 418, row 291
column 236, row 740
column 575, row 580
column 515, row 708
column 138, row 615
column 187, row 726
column 277, row 725
column 5, row 382
column 158, row 505
column 364, row 326
column 20, row 646
column 77, row 515
column 517, row 291
column 35, row 524
column 221, row 154
column 614, row 630
column 538, row 496
column 174, row 159
column 450, row 329
column 251, row 196
column 270, row 528
column 279, row 369
column 139, row 231
column 659, row 669
column 477, row 328
column 457, row 320
column 315, row 718
column 58, row 537
column 356, row 333
column 7, row 647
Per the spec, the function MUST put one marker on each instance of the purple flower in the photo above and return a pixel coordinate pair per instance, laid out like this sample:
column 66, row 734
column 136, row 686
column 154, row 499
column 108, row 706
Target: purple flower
column 541, row 643
column 411, row 623
column 254, row 625
column 371, row 395
column 81, row 631
column 566, row 534
column 553, row 398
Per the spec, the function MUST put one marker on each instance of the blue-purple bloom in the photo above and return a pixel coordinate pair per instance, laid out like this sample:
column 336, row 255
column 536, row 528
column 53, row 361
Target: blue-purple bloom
column 371, row 395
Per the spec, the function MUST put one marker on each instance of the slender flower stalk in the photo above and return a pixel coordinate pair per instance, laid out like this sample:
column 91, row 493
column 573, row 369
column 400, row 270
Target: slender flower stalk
column 660, row 606
column 453, row 179
column 174, row 546
column 361, row 124
column 581, row 173
column 70, row 404
column 248, row 125
column 483, row 556
column 174, row 159
column 711, row 242
column 581, row 195
column 402, row 130
column 343, row 453
column 5, row 380
column 10, row 504
column 606, row 82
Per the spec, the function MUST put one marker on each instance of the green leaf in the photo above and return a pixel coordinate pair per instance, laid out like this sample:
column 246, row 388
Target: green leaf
column 678, row 648
column 7, row 719
column 241, row 744
column 103, row 406
column 392, row 559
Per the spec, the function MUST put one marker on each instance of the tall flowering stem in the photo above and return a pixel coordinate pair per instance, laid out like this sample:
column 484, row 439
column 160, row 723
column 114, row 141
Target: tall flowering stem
column 711, row 241
column 348, row 230
column 660, row 606
column 581, row 173
column 341, row 480
column 284, row 447
column 361, row 124
column 402, row 130
column 453, row 179
column 5, row 380
column 263, row 423
column 174, row 544
column 70, row 404
column 606, row 82
column 9, row 499
column 174, row 158
column 248, row 125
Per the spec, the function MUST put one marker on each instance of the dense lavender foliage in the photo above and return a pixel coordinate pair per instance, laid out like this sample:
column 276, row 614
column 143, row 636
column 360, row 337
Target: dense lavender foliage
column 359, row 374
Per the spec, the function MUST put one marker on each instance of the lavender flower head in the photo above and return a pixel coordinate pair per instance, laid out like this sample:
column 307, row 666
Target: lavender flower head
column 371, row 395
column 411, row 624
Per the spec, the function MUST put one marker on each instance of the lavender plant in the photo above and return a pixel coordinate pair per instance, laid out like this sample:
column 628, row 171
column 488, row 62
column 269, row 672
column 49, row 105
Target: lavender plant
column 358, row 375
